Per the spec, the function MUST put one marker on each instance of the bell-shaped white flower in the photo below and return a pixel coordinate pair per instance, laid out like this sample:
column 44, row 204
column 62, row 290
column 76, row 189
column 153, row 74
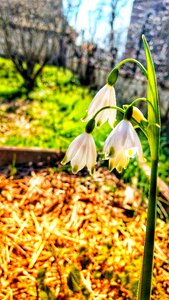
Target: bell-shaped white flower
column 122, row 144
column 105, row 96
column 81, row 152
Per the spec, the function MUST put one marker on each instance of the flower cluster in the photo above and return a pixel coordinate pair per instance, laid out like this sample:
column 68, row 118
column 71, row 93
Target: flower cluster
column 121, row 144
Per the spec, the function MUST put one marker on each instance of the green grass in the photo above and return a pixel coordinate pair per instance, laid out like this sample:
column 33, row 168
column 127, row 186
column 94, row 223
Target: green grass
column 53, row 111
column 51, row 116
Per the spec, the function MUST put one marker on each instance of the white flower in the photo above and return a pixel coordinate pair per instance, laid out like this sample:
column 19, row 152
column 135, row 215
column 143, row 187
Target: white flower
column 122, row 144
column 105, row 96
column 81, row 152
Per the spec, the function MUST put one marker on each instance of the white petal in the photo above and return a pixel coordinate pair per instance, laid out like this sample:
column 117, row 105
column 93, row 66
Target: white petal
column 74, row 146
column 106, row 96
column 112, row 117
column 120, row 161
column 123, row 162
column 133, row 141
column 91, row 154
column 112, row 96
column 102, row 116
column 95, row 104
column 123, row 131
column 138, row 145
column 79, row 160
column 113, row 112
column 122, row 144
column 109, row 100
column 109, row 142
column 117, row 137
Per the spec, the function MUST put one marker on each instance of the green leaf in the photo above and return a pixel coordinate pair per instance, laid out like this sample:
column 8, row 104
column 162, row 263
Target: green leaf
column 73, row 280
column 153, row 104
column 152, row 92
column 108, row 274
column 85, row 293
column 113, row 76
column 41, row 275
column 45, row 292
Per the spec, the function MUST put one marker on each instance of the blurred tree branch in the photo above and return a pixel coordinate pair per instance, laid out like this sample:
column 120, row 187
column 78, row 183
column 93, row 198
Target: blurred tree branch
column 34, row 33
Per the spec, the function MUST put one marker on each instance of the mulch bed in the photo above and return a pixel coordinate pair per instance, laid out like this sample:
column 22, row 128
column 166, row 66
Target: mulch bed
column 53, row 222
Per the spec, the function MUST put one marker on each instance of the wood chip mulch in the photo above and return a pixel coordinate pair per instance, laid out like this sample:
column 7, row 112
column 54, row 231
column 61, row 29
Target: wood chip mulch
column 55, row 222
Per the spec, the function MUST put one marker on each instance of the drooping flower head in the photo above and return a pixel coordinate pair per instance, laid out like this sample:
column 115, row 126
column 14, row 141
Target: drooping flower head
column 81, row 152
column 121, row 145
column 105, row 96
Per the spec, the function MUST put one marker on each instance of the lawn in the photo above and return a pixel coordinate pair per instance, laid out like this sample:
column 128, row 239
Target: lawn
column 50, row 118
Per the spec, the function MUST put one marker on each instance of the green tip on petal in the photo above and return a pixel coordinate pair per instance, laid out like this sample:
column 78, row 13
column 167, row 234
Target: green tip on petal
column 99, row 123
column 113, row 76
column 90, row 126
column 128, row 113
column 130, row 153
column 104, row 156
column 111, row 151
column 64, row 160
column 119, row 168
column 111, row 165
column 85, row 116
column 75, row 169
column 92, row 170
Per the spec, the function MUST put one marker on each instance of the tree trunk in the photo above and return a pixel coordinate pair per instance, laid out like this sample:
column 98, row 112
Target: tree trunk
column 29, row 84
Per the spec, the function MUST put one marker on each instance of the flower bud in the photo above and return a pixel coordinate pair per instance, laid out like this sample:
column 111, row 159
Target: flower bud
column 113, row 76
column 137, row 115
column 90, row 126
column 128, row 113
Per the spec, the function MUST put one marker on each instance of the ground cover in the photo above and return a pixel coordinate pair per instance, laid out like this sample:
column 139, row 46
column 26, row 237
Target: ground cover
column 74, row 237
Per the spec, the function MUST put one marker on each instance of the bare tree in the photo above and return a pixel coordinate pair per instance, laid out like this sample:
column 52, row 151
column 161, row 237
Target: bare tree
column 67, row 45
column 115, row 7
column 33, row 33
column 99, row 46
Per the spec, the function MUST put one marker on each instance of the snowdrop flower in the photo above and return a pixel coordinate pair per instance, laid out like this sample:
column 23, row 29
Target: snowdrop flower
column 105, row 96
column 81, row 152
column 122, row 144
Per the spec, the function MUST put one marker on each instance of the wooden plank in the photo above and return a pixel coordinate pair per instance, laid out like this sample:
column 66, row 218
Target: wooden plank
column 34, row 155
column 25, row 155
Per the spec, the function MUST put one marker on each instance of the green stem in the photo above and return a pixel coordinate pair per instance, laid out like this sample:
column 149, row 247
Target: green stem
column 140, row 127
column 147, row 267
column 138, row 100
column 154, row 142
column 144, row 100
column 133, row 61
column 108, row 107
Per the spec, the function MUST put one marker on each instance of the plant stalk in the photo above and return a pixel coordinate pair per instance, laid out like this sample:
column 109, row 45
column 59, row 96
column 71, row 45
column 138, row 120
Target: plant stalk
column 144, row 71
column 148, row 256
